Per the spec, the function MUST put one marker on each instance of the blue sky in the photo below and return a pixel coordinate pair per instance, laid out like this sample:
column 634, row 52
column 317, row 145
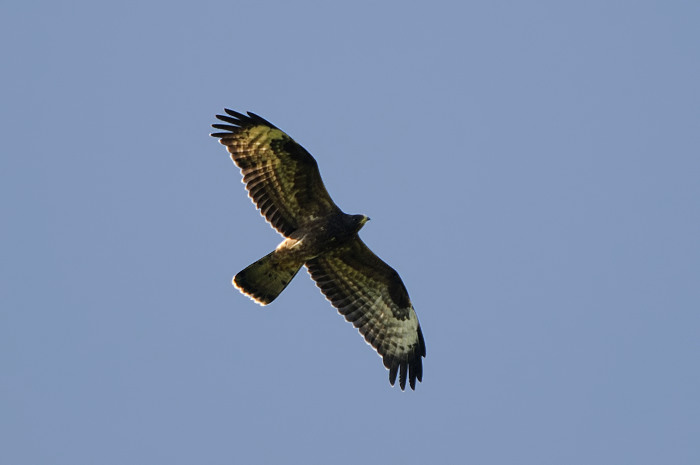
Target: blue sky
column 531, row 169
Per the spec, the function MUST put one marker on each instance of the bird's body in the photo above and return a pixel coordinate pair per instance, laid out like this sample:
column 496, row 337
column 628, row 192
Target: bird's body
column 283, row 181
column 265, row 279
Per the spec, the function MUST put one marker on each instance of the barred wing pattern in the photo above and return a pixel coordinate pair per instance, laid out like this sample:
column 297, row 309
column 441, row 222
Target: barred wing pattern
column 370, row 295
column 281, row 177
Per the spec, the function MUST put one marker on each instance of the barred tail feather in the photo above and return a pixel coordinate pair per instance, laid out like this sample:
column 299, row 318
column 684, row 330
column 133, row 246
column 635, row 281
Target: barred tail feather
column 265, row 279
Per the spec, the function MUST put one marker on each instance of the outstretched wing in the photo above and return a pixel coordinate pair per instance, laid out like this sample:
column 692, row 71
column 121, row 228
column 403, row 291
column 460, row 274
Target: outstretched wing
column 371, row 295
column 281, row 177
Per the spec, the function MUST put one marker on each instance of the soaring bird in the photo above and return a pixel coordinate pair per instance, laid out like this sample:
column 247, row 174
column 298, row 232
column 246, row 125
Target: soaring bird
column 284, row 182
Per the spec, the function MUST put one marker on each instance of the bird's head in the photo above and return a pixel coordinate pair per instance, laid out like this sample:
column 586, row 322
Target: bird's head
column 358, row 221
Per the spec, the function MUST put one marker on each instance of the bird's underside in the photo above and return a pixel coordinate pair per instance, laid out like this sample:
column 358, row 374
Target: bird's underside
column 265, row 279
column 283, row 181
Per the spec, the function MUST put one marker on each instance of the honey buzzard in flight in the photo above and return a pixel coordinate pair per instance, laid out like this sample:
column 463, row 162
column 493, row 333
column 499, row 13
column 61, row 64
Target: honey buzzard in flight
column 284, row 182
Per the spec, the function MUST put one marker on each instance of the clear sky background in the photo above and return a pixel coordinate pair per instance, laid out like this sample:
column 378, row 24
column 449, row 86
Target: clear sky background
column 532, row 170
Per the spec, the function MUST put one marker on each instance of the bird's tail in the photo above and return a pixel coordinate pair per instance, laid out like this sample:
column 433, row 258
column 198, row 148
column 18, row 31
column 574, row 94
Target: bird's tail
column 265, row 279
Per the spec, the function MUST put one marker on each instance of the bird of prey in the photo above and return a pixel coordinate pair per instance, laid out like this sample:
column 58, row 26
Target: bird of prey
column 284, row 182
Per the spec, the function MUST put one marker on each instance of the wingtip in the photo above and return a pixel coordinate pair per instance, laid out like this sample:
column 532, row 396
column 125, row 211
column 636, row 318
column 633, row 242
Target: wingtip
column 240, row 120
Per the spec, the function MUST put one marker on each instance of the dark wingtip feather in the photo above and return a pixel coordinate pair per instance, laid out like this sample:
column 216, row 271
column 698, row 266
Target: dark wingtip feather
column 418, row 370
column 239, row 120
column 393, row 371
column 236, row 121
column 402, row 374
column 235, row 114
column 227, row 119
column 260, row 120
column 410, row 367
column 421, row 342
column 224, row 127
